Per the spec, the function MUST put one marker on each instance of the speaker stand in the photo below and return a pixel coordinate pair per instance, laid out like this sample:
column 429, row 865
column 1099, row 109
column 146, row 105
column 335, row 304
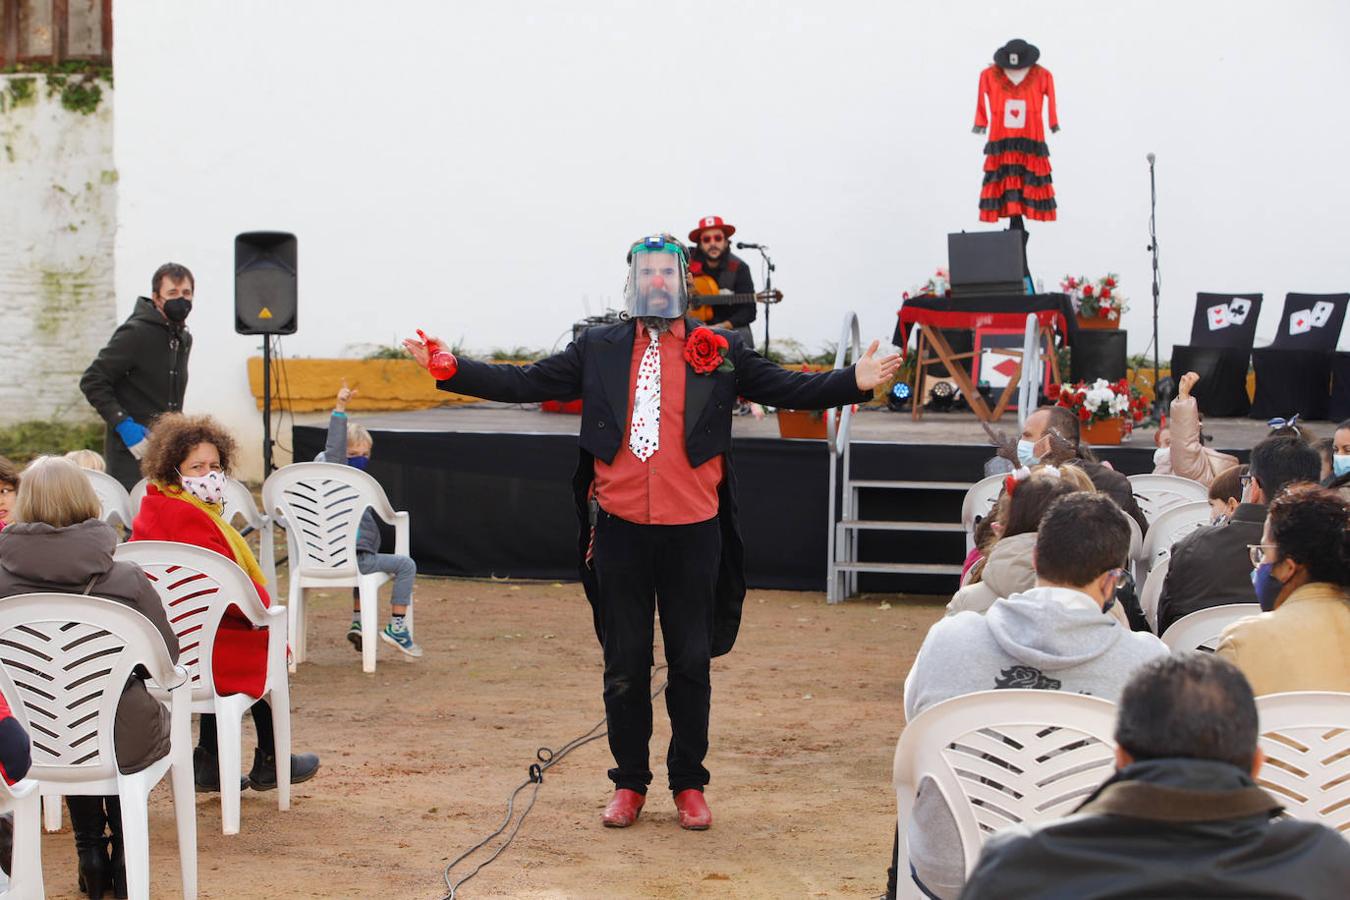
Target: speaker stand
column 267, row 405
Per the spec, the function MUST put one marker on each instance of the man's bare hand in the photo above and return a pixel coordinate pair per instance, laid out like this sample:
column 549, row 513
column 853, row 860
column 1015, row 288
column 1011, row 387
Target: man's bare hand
column 871, row 371
column 419, row 350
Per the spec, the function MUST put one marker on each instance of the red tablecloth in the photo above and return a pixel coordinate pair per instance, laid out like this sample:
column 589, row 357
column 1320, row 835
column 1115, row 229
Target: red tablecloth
column 985, row 312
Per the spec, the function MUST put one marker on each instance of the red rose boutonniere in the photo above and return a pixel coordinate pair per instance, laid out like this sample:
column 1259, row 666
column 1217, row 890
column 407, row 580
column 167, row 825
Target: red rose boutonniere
column 703, row 351
column 695, row 268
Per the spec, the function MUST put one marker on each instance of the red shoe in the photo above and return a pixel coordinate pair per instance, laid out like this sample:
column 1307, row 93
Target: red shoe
column 623, row 808
column 694, row 812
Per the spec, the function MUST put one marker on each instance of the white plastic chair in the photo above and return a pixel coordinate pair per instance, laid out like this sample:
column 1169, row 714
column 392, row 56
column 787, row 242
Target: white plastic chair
column 238, row 505
column 196, row 586
column 1170, row 527
column 1306, row 738
column 1002, row 757
column 137, row 495
column 1201, row 629
column 1159, row 493
column 1152, row 592
column 322, row 504
column 25, row 872
column 113, row 500
column 64, row 660
column 978, row 503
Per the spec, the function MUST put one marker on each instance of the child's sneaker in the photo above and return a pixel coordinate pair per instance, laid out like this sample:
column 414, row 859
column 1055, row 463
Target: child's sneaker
column 400, row 638
column 354, row 634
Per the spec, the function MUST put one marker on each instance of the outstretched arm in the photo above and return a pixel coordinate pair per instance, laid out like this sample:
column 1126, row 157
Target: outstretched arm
column 557, row 377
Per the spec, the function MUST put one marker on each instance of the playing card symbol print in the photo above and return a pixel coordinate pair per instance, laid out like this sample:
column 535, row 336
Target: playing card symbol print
column 646, row 426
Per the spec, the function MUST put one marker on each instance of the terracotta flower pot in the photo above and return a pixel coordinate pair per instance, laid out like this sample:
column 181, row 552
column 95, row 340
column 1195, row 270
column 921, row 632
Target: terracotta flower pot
column 1098, row 323
column 801, row 423
column 1107, row 431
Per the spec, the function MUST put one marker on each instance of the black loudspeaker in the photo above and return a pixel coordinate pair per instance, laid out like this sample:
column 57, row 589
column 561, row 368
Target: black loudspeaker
column 1098, row 354
column 986, row 263
column 265, row 283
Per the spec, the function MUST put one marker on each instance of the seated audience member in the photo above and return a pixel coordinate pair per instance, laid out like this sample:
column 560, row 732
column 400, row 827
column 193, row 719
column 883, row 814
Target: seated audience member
column 1053, row 637
column 187, row 460
column 1225, row 494
column 1326, row 452
column 1183, row 452
column 1051, row 434
column 57, row 544
column 351, row 443
column 1181, row 817
column 985, row 537
column 1209, row 566
column 1008, row 567
column 1340, row 453
column 9, row 490
column 88, row 459
column 1302, row 640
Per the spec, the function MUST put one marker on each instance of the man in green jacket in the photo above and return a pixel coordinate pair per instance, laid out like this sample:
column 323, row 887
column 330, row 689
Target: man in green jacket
column 142, row 372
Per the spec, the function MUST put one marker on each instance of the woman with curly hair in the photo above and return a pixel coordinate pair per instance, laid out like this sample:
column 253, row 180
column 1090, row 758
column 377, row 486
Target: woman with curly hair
column 1302, row 579
column 187, row 461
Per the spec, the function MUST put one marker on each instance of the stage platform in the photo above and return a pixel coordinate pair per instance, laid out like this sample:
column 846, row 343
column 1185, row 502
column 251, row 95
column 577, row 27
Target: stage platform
column 488, row 487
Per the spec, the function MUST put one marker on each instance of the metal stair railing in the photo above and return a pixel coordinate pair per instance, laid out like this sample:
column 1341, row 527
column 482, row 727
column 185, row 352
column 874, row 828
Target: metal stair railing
column 840, row 447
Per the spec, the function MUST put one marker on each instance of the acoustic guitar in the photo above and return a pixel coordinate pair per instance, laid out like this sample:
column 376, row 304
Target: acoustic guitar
column 706, row 295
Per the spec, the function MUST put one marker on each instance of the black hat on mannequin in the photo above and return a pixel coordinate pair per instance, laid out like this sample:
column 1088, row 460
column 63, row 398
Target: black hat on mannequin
column 1017, row 54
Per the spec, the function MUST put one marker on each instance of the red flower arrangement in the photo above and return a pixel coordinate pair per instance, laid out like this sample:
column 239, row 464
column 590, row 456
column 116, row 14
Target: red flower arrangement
column 1096, row 301
column 703, row 350
column 1100, row 401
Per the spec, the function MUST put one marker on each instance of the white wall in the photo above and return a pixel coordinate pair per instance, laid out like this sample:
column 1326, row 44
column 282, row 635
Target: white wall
column 58, row 205
column 479, row 169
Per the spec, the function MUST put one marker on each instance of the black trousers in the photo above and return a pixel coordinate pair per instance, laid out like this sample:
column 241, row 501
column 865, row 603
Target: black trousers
column 262, row 723
column 90, row 815
column 119, row 461
column 641, row 569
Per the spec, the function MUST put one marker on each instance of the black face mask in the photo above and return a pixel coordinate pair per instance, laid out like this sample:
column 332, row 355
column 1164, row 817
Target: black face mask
column 177, row 309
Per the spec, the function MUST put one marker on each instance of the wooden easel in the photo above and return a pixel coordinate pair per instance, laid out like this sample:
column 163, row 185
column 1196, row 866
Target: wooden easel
column 933, row 337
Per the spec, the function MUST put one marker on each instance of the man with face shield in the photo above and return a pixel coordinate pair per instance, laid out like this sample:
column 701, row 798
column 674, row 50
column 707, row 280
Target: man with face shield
column 655, row 500
column 657, row 287
column 142, row 372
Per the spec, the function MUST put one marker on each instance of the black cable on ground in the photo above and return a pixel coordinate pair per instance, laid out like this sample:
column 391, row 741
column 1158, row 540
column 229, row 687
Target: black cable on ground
column 547, row 759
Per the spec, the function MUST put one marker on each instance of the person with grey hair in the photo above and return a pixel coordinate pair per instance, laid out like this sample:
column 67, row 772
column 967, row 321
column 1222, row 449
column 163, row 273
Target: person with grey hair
column 351, row 444
column 1182, row 816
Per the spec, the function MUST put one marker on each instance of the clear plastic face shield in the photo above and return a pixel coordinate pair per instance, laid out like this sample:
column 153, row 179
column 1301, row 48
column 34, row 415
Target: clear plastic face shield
column 656, row 279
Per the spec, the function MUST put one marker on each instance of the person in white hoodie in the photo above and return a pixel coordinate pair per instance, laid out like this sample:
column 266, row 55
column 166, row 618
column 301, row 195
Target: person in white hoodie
column 1055, row 636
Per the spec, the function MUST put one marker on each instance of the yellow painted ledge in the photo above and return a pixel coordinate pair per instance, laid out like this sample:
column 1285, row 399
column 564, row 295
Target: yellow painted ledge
column 311, row 385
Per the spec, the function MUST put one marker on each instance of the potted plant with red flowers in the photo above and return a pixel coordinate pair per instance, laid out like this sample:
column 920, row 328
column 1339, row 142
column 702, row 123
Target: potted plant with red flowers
column 1107, row 411
column 1097, row 304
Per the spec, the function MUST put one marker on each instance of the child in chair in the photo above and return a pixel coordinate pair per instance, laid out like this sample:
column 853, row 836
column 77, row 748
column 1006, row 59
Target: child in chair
column 351, row 443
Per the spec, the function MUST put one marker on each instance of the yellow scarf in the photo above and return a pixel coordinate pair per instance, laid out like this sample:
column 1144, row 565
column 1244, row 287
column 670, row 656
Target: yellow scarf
column 242, row 554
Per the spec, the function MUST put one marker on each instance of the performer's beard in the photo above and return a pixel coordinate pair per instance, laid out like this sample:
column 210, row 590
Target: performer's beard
column 655, row 324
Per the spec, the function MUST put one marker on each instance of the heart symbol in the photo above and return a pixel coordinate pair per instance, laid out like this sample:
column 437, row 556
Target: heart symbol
column 1015, row 113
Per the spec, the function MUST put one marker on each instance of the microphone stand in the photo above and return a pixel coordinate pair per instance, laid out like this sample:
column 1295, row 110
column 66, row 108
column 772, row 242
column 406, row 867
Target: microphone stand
column 768, row 286
column 1153, row 248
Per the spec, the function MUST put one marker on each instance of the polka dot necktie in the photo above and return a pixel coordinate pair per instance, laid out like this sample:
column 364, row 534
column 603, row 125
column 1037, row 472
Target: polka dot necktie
column 646, row 426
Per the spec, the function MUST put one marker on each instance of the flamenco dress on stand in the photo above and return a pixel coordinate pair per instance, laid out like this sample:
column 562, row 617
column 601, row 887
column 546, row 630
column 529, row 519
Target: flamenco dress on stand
column 1017, row 180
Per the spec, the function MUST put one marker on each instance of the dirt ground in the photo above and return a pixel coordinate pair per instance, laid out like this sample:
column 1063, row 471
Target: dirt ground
column 419, row 758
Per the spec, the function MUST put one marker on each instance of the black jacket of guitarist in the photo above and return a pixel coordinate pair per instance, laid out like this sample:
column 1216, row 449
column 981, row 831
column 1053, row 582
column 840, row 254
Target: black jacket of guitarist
column 732, row 275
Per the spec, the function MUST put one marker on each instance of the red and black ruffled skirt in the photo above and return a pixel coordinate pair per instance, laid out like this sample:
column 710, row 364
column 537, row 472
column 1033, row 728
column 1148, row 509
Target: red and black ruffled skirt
column 1017, row 181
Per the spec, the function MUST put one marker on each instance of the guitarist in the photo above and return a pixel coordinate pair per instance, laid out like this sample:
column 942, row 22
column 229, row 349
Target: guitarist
column 712, row 256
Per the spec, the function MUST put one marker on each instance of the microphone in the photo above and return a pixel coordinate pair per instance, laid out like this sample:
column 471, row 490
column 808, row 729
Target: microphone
column 1151, row 157
column 745, row 245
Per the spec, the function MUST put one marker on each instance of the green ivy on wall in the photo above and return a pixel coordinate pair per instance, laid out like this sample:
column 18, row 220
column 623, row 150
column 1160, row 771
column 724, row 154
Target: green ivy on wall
column 76, row 83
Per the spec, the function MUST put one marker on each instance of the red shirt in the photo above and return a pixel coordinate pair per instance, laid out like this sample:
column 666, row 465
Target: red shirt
column 664, row 490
